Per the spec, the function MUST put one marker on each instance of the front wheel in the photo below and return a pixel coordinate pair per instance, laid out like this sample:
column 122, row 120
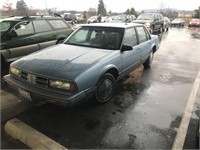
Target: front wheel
column 148, row 62
column 105, row 88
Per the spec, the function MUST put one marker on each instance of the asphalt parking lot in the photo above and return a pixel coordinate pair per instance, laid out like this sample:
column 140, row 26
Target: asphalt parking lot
column 145, row 112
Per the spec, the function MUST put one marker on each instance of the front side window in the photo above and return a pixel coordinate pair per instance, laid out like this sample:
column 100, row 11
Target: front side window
column 23, row 28
column 58, row 24
column 41, row 26
column 97, row 37
column 141, row 34
column 130, row 38
column 5, row 25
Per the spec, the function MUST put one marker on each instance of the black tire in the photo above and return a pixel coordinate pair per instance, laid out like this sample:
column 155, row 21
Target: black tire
column 167, row 29
column 148, row 62
column 105, row 88
column 3, row 64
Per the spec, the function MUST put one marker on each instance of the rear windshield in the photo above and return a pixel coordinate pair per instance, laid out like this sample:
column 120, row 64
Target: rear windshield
column 145, row 17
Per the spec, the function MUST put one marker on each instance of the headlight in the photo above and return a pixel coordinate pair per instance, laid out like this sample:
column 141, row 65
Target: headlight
column 62, row 85
column 14, row 71
column 147, row 25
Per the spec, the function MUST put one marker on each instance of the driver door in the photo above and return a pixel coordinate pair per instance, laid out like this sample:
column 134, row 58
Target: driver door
column 130, row 59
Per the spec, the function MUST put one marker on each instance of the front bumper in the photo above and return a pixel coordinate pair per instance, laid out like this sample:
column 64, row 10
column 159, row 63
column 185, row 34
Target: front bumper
column 44, row 94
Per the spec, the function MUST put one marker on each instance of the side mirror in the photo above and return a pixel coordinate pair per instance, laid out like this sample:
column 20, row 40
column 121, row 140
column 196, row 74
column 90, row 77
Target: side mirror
column 13, row 33
column 126, row 48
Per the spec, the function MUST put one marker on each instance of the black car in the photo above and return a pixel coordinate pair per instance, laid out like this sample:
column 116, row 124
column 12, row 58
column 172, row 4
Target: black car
column 70, row 18
column 23, row 35
column 153, row 21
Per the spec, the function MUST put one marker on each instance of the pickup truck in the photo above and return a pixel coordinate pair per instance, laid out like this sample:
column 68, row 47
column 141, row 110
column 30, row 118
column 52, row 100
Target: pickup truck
column 88, row 63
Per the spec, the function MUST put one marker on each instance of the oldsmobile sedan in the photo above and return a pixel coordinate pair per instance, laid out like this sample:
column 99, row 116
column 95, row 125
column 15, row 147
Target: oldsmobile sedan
column 87, row 64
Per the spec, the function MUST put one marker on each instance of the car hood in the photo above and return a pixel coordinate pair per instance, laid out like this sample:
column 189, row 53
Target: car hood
column 141, row 21
column 61, row 61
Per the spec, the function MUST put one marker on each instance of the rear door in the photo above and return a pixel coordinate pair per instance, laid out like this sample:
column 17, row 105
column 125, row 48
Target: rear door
column 44, row 34
column 144, row 42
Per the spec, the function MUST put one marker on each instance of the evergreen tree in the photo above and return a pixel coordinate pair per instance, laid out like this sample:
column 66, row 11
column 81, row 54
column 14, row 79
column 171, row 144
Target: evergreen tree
column 101, row 8
column 21, row 8
column 197, row 13
column 131, row 12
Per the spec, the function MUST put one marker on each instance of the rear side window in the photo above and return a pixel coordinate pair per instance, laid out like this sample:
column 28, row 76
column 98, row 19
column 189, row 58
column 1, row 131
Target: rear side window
column 41, row 26
column 58, row 24
column 141, row 34
column 23, row 28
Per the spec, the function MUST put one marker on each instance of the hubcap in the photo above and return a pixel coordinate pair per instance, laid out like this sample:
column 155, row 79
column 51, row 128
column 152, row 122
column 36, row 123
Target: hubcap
column 104, row 90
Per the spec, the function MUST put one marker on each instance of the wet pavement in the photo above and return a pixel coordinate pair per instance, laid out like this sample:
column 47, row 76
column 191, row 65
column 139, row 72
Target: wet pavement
column 144, row 113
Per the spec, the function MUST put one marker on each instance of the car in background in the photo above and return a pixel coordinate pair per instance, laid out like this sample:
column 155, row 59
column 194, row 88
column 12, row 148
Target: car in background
column 194, row 22
column 92, row 19
column 105, row 18
column 88, row 63
column 167, row 24
column 79, row 18
column 70, row 18
column 121, row 18
column 153, row 21
column 23, row 35
column 179, row 22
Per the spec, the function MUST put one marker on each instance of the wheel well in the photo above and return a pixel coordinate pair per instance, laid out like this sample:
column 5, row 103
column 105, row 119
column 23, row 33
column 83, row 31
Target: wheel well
column 154, row 49
column 113, row 71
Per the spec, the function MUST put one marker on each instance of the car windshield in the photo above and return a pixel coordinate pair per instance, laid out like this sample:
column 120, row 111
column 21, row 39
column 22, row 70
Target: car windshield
column 195, row 20
column 145, row 17
column 97, row 37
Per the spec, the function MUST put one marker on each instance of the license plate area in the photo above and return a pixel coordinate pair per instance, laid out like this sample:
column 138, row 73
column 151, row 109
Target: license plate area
column 25, row 94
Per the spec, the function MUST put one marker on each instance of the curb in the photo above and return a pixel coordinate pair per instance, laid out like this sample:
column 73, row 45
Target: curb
column 29, row 136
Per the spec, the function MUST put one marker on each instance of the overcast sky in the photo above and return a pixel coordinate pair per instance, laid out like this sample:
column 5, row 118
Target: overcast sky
column 113, row 5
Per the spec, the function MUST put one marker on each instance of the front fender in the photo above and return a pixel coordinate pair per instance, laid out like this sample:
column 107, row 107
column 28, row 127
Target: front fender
column 107, row 68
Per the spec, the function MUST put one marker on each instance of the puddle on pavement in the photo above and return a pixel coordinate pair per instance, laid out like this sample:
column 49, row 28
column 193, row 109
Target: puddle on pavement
column 91, row 123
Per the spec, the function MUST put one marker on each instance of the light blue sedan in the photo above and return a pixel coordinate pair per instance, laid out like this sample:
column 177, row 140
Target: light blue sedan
column 88, row 63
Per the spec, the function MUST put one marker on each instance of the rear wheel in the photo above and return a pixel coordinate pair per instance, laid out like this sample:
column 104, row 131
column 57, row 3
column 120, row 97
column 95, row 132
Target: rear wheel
column 105, row 88
column 161, row 29
column 148, row 62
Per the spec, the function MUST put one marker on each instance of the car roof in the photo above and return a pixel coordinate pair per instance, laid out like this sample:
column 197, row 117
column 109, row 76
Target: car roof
column 114, row 25
column 21, row 18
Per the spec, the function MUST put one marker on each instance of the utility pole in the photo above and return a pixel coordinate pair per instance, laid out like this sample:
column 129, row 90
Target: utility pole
column 46, row 4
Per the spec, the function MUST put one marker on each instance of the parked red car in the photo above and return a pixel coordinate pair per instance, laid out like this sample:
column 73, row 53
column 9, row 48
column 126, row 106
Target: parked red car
column 195, row 22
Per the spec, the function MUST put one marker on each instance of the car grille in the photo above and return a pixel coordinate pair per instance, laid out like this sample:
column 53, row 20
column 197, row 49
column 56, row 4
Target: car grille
column 34, row 79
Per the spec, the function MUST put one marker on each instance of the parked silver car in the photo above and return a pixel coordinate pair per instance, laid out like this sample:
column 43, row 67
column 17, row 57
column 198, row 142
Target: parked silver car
column 87, row 64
